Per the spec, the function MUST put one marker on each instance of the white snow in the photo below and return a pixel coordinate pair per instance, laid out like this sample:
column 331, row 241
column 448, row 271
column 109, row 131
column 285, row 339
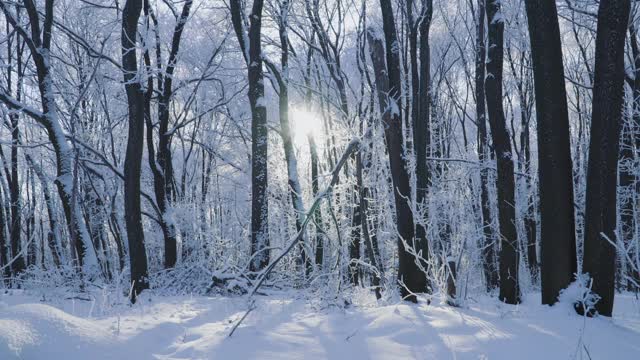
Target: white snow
column 282, row 327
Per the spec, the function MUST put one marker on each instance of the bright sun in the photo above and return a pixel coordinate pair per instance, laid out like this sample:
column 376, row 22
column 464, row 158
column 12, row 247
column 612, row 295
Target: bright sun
column 304, row 123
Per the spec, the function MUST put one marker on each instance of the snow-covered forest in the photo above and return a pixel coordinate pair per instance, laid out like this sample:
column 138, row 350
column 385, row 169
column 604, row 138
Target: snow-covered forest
column 238, row 179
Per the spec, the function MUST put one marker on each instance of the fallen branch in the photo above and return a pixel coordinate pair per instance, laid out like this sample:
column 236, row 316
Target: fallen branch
column 252, row 306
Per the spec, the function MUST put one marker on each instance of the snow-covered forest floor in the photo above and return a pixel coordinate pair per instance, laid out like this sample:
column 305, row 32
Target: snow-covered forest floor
column 288, row 326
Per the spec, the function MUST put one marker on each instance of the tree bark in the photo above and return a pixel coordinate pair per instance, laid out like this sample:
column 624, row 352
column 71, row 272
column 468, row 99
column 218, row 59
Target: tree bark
column 165, row 136
column 489, row 239
column 602, row 174
column 133, row 158
column 317, row 214
column 4, row 244
column 15, row 229
column 505, row 183
column 252, row 53
column 555, row 168
column 412, row 280
column 421, row 127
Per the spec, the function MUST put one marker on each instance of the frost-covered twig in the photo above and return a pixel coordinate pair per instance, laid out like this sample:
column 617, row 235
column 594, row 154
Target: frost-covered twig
column 335, row 174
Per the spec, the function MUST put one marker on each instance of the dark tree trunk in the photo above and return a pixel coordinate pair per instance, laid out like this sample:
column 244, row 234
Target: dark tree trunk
column 133, row 157
column 161, row 164
column 114, row 225
column 371, row 242
column 18, row 265
column 421, row 126
column 4, row 245
column 96, row 219
column 411, row 278
column 319, row 233
column 424, row 22
column 165, row 136
column 31, row 222
column 356, row 226
column 530, row 226
column 602, row 174
column 558, row 239
column 451, row 283
column 530, row 230
column 509, row 254
column 363, row 163
column 252, row 53
column 357, row 231
column 523, row 81
column 489, row 238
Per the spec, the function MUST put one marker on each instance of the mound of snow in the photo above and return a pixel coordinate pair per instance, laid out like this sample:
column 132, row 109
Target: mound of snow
column 32, row 331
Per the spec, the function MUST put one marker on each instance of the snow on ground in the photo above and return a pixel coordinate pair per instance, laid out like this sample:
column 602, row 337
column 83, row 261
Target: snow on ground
column 282, row 327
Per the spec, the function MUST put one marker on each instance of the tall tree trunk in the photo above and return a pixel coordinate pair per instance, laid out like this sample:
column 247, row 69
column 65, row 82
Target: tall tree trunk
column 489, row 244
column 30, row 225
column 96, row 219
column 371, row 242
column 319, row 233
column 509, row 254
column 555, row 169
column 364, row 159
column 133, row 157
column 411, row 278
column 522, row 79
column 602, row 173
column 530, row 227
column 315, row 172
column 356, row 226
column 4, row 244
column 252, row 53
column 161, row 163
column 165, row 136
column 421, row 127
column 15, row 229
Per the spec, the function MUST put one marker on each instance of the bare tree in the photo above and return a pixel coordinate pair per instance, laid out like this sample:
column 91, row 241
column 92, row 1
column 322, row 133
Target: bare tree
column 389, row 87
column 505, row 182
column 161, row 164
column 133, row 159
column 555, row 169
column 15, row 229
column 488, row 244
column 421, row 111
column 602, row 174
column 250, row 45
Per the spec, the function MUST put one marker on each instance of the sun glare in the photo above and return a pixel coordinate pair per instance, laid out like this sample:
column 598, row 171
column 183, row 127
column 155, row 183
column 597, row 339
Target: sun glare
column 305, row 123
